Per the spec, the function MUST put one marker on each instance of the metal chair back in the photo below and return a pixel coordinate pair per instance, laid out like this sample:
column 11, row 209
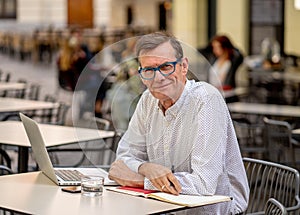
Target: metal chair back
column 279, row 141
column 102, row 124
column 274, row 207
column 250, row 137
column 4, row 158
column 4, row 170
column 88, row 154
column 33, row 92
column 56, row 116
column 271, row 180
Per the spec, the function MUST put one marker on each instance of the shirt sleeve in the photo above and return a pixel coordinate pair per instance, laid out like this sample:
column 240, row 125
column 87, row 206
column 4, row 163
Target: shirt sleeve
column 132, row 147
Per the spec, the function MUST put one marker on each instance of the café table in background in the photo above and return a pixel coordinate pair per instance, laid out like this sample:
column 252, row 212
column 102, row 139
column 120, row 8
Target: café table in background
column 12, row 88
column 4, row 86
column 233, row 95
column 8, row 105
column 13, row 133
column 264, row 109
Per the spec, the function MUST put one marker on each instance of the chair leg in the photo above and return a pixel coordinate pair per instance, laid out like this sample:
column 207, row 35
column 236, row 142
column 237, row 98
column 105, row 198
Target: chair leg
column 6, row 157
column 294, row 158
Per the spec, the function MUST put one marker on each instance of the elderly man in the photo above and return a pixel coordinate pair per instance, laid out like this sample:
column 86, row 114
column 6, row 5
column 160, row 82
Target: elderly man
column 180, row 138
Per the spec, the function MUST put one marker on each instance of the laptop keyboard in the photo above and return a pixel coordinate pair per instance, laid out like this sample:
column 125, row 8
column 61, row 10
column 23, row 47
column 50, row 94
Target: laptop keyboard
column 68, row 175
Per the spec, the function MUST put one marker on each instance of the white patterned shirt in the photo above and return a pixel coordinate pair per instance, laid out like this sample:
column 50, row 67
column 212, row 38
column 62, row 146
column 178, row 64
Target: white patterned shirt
column 197, row 138
column 217, row 73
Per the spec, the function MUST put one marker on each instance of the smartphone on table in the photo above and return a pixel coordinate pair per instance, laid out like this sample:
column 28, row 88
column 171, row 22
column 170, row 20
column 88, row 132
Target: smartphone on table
column 72, row 189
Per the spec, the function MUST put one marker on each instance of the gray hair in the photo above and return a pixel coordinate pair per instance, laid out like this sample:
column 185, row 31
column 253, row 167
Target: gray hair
column 151, row 41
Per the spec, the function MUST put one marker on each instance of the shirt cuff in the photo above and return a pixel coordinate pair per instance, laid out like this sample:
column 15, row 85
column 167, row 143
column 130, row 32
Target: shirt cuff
column 148, row 185
column 134, row 165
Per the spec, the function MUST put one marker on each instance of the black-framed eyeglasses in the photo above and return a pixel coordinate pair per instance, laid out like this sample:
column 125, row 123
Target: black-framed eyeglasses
column 165, row 69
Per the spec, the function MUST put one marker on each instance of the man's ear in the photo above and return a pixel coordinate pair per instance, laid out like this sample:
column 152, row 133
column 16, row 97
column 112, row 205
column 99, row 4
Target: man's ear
column 185, row 65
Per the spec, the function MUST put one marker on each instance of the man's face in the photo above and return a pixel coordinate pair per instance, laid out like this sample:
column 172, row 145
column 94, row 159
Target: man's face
column 164, row 87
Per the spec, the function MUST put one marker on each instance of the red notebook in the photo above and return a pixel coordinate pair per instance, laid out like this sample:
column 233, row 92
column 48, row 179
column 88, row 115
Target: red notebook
column 138, row 190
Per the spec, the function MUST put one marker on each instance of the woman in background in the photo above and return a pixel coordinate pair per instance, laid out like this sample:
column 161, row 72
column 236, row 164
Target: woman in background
column 222, row 74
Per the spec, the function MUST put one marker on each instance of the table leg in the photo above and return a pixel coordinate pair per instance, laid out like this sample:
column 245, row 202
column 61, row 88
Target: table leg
column 23, row 159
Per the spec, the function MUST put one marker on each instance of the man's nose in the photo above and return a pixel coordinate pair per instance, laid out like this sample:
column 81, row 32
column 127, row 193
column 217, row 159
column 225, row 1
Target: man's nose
column 158, row 76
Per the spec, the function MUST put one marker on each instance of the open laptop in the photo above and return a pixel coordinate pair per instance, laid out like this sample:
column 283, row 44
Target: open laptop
column 60, row 176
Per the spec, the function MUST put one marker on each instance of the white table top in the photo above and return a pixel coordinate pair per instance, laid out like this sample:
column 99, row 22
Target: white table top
column 12, row 86
column 293, row 76
column 16, row 105
column 296, row 131
column 34, row 193
column 13, row 133
column 264, row 109
column 239, row 91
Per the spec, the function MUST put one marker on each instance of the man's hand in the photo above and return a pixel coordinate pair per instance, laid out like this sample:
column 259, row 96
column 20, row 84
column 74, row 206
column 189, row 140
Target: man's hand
column 124, row 176
column 161, row 177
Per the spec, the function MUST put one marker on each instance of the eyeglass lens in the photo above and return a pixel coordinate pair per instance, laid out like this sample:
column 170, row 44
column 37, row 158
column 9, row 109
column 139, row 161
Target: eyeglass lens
column 165, row 69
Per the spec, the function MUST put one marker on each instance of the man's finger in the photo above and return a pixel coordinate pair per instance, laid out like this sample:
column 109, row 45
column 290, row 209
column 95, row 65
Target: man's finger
column 175, row 183
column 172, row 190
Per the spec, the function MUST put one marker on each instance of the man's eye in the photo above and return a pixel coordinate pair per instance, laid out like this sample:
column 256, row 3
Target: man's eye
column 148, row 70
column 166, row 66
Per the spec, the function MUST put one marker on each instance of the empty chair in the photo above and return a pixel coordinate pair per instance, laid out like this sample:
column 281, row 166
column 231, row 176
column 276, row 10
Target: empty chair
column 59, row 116
column 5, row 162
column 4, row 170
column 86, row 154
column 20, row 93
column 102, row 124
column 56, row 116
column 4, row 158
column 14, row 93
column 99, row 153
column 33, row 92
column 104, row 155
column 48, row 113
column 274, row 207
column 4, row 77
column 281, row 146
column 250, row 138
column 49, row 98
column 271, row 180
column 89, row 120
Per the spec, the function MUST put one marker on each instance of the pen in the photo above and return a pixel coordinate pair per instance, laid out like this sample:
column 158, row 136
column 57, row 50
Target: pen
column 172, row 169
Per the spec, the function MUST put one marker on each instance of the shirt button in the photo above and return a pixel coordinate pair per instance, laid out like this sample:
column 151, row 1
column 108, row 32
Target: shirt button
column 169, row 118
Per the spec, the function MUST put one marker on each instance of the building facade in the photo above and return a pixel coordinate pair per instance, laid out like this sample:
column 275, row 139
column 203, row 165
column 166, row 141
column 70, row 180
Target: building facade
column 187, row 19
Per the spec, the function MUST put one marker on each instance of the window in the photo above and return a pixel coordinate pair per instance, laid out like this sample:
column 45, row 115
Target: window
column 8, row 9
column 266, row 20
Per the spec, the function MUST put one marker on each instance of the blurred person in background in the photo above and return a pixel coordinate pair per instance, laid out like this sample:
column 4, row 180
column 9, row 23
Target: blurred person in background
column 71, row 61
column 270, row 51
column 64, row 66
column 80, row 57
column 227, row 60
column 126, row 90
